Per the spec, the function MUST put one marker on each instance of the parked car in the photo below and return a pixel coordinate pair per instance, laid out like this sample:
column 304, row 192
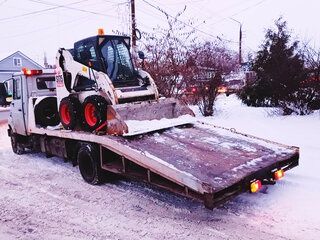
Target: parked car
column 231, row 87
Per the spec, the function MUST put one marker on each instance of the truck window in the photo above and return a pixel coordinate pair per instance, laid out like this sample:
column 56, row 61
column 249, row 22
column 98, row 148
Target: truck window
column 46, row 83
column 16, row 88
column 9, row 86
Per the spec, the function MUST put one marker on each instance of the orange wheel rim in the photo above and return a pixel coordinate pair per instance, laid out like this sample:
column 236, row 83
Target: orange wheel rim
column 65, row 114
column 90, row 114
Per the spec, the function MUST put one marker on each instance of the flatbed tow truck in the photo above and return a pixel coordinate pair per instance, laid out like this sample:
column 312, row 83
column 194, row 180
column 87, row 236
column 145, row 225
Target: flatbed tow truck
column 199, row 160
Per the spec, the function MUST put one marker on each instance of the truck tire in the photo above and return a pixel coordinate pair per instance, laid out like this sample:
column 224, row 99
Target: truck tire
column 16, row 146
column 46, row 112
column 89, row 165
column 94, row 112
column 69, row 112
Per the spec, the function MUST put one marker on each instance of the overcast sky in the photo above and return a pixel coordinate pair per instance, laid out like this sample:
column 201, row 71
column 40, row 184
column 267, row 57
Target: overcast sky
column 38, row 26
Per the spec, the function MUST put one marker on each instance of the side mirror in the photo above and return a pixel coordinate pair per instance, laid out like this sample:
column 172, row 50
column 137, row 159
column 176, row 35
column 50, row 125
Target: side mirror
column 141, row 55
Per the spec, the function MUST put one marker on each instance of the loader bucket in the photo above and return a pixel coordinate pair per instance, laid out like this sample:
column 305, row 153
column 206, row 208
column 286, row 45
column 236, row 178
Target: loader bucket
column 142, row 117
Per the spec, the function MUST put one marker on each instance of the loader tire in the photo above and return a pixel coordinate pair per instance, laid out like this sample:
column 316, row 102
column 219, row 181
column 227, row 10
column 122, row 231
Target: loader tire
column 89, row 165
column 46, row 112
column 69, row 112
column 94, row 112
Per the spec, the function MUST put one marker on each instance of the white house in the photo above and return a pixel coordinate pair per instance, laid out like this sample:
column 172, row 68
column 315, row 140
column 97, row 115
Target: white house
column 14, row 63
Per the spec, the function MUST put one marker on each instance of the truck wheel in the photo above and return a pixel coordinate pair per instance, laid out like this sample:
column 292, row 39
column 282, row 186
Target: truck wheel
column 94, row 112
column 46, row 113
column 69, row 112
column 16, row 146
column 89, row 164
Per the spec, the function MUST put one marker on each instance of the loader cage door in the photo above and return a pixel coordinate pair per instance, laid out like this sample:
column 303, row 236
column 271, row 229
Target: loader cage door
column 118, row 63
column 109, row 54
column 86, row 53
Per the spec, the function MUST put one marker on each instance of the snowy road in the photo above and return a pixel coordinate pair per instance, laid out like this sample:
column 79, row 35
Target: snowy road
column 45, row 198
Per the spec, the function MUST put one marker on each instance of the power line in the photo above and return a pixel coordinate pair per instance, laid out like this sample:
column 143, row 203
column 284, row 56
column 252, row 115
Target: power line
column 218, row 12
column 242, row 10
column 48, row 27
column 72, row 8
column 184, row 2
column 3, row 2
column 186, row 24
column 42, row 29
column 39, row 11
column 117, row 3
column 252, row 6
column 57, row 6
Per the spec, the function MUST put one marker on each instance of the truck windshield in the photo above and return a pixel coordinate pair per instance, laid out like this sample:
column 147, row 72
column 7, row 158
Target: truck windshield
column 118, row 63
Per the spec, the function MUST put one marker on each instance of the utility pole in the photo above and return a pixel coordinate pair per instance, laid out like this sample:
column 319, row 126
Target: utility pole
column 133, row 25
column 240, row 39
column 240, row 45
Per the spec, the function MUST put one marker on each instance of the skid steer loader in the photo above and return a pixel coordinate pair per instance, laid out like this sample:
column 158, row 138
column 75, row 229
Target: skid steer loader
column 98, row 88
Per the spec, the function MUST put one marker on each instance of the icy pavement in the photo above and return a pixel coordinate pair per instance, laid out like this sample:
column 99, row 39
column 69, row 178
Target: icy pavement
column 45, row 198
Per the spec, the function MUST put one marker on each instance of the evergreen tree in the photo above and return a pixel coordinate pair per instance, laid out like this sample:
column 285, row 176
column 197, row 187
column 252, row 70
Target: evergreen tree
column 279, row 67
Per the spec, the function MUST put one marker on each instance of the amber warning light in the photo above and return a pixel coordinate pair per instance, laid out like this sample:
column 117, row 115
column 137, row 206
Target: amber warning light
column 255, row 186
column 100, row 31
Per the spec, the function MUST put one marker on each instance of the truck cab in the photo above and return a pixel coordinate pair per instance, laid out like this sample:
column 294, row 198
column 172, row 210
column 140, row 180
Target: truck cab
column 33, row 100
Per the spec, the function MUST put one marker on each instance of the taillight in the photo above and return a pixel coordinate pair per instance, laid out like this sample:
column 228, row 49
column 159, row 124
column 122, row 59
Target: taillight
column 255, row 186
column 278, row 174
column 29, row 72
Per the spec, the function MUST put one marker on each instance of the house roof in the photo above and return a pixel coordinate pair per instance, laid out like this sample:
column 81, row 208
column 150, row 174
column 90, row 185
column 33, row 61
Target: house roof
column 23, row 55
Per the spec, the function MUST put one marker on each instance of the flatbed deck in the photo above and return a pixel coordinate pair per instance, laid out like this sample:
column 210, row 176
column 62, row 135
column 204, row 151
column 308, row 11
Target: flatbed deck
column 201, row 161
column 215, row 156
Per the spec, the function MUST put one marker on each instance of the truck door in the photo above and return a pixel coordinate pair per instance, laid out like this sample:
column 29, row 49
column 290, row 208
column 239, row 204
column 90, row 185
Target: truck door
column 17, row 107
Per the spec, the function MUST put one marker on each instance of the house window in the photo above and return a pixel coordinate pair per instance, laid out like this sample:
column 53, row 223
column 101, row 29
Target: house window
column 17, row 62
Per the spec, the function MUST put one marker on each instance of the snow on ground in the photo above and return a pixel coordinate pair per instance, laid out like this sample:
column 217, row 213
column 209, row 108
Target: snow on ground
column 45, row 198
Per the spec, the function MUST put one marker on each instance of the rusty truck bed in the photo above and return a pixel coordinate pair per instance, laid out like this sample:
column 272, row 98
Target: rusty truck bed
column 217, row 157
column 203, row 161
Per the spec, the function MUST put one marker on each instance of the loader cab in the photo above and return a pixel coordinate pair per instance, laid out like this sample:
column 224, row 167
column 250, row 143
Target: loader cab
column 109, row 54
